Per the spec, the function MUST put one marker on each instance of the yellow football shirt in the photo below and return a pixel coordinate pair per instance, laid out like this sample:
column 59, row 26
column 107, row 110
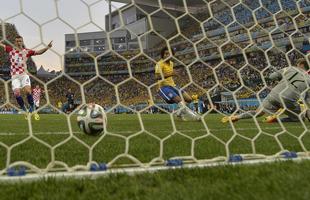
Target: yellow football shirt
column 195, row 98
column 150, row 102
column 59, row 104
column 165, row 68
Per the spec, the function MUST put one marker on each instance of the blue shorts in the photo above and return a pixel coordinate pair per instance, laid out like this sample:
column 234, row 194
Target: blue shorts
column 168, row 93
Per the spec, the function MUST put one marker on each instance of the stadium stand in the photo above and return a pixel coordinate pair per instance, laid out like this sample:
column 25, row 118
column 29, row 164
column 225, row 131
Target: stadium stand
column 114, row 70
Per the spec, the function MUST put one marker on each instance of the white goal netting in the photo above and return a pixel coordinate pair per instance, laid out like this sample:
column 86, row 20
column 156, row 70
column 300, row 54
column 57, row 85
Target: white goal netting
column 224, row 54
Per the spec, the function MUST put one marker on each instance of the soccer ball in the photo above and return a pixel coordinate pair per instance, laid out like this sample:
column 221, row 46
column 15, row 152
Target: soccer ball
column 91, row 119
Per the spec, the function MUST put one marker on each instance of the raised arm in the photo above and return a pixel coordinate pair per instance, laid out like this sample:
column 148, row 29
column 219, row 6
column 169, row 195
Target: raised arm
column 41, row 51
column 158, row 72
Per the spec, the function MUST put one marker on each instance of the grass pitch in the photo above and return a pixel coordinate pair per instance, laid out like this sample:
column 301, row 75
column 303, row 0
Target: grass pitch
column 155, row 136
column 285, row 181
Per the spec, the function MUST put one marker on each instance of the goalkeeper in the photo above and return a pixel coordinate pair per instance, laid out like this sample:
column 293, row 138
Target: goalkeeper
column 293, row 85
column 167, row 88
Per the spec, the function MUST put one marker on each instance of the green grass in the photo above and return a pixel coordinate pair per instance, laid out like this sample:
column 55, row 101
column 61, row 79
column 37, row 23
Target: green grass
column 283, row 181
column 155, row 139
column 125, row 131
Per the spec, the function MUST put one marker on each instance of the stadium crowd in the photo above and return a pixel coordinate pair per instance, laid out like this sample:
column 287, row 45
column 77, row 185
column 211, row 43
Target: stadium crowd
column 242, row 69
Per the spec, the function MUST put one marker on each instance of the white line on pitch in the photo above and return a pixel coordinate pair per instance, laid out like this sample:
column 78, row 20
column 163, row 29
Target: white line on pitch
column 124, row 132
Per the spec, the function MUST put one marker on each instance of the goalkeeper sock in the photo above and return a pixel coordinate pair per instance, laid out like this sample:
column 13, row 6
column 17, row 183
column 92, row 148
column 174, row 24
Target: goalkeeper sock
column 182, row 107
column 182, row 104
column 21, row 103
column 31, row 103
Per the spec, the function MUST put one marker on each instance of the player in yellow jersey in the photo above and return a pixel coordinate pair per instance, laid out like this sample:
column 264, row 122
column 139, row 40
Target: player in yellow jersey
column 168, row 90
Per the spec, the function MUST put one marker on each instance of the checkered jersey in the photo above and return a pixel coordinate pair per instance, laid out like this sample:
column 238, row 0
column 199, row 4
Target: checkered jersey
column 36, row 94
column 18, row 59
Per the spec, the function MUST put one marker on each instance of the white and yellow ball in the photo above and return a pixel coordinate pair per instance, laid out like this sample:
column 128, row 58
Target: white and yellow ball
column 92, row 119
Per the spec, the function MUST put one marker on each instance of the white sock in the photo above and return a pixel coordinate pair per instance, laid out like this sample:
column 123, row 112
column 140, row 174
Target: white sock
column 190, row 115
column 182, row 104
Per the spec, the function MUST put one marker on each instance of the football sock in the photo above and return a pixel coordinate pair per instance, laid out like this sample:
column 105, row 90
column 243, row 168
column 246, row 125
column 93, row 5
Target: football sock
column 31, row 103
column 182, row 104
column 21, row 103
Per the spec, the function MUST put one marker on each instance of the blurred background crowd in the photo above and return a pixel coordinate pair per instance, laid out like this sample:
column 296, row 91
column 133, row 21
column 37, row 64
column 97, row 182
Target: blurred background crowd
column 207, row 63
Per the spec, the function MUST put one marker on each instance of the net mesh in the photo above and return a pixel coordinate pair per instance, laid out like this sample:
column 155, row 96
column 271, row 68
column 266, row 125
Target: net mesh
column 224, row 50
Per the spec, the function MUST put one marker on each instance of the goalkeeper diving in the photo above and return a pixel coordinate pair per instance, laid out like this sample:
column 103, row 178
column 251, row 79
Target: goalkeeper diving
column 293, row 85
column 168, row 90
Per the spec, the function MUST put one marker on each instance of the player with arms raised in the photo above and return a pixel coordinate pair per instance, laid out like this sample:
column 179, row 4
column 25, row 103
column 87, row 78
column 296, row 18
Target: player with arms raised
column 167, row 88
column 294, row 83
column 20, row 80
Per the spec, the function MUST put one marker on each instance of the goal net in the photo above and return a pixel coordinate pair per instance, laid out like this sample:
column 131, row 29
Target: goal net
column 105, row 52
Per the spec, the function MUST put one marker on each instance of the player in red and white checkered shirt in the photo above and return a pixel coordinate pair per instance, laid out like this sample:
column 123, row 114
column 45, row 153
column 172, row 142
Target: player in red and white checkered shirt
column 36, row 93
column 20, row 80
